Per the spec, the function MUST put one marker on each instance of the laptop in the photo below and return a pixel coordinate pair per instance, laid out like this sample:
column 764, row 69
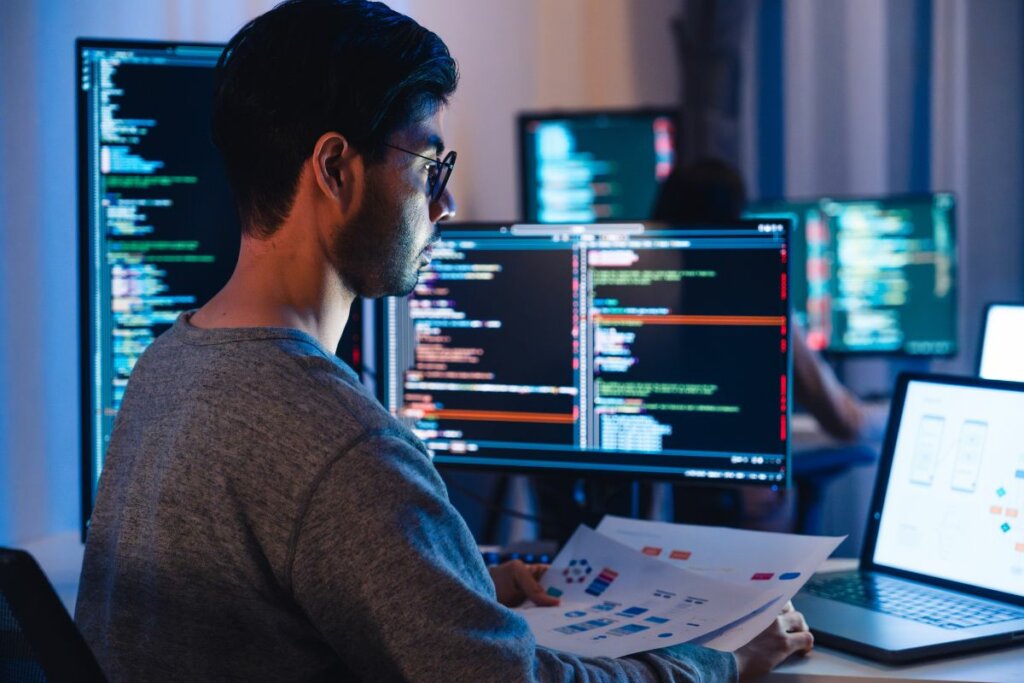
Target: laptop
column 1002, row 339
column 942, row 569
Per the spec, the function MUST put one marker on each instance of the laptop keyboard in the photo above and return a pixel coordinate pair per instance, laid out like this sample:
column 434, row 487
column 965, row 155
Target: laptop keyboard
column 909, row 601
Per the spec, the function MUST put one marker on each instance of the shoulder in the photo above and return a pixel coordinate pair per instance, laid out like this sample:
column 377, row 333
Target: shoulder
column 275, row 390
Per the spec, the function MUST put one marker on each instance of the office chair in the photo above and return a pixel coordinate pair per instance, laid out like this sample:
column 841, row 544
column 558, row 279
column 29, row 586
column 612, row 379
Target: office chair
column 39, row 642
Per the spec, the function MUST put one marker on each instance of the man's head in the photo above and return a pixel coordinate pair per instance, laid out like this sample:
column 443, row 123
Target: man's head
column 326, row 90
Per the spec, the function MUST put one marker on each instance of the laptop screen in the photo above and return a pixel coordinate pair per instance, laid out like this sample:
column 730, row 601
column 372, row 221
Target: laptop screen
column 1001, row 356
column 954, row 504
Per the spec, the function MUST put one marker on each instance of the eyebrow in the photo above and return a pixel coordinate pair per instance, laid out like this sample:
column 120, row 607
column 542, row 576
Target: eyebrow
column 436, row 142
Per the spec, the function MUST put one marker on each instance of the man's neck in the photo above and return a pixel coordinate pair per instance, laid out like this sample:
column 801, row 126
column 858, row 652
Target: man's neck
column 277, row 283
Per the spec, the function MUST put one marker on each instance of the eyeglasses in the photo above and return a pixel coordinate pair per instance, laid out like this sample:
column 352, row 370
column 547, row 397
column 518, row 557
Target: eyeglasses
column 439, row 172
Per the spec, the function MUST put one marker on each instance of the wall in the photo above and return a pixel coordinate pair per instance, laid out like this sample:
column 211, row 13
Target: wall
column 978, row 110
column 528, row 54
column 539, row 55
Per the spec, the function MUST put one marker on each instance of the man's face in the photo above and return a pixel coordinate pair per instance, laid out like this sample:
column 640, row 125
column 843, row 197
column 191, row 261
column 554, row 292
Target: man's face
column 382, row 250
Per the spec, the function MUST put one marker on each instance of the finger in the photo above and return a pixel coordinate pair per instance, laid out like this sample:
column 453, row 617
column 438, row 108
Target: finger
column 800, row 642
column 530, row 586
column 539, row 570
column 803, row 624
column 788, row 607
column 792, row 622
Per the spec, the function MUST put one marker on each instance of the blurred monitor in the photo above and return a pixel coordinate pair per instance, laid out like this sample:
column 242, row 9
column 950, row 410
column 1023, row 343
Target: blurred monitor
column 873, row 275
column 1002, row 343
column 158, row 229
column 593, row 166
column 597, row 349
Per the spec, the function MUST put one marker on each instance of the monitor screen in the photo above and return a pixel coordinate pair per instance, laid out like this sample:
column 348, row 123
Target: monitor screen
column 599, row 348
column 158, row 230
column 587, row 167
column 873, row 275
column 955, row 492
column 1001, row 343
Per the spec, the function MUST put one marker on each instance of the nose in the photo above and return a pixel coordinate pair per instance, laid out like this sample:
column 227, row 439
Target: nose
column 444, row 208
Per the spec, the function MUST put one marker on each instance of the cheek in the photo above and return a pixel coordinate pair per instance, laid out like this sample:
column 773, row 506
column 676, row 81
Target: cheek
column 416, row 221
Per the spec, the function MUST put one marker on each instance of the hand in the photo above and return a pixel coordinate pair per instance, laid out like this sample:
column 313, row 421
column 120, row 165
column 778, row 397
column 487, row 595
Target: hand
column 787, row 635
column 515, row 581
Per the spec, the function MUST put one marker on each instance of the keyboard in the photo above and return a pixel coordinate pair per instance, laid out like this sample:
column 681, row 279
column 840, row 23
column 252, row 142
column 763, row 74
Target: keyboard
column 910, row 601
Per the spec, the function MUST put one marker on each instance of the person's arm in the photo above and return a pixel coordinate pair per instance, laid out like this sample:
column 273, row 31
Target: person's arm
column 392, row 580
column 816, row 388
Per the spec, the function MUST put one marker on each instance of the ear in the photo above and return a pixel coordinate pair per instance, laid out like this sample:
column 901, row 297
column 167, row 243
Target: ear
column 337, row 169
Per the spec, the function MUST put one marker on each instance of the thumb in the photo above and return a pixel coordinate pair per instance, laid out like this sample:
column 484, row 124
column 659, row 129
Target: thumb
column 531, row 587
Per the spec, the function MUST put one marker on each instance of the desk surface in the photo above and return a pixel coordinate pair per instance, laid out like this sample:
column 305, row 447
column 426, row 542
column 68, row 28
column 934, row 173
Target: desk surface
column 825, row 665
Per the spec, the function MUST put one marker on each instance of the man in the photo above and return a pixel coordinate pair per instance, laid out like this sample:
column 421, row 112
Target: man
column 261, row 516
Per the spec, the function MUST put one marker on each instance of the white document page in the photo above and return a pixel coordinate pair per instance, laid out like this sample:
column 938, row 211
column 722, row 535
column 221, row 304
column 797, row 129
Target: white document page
column 616, row 601
column 779, row 564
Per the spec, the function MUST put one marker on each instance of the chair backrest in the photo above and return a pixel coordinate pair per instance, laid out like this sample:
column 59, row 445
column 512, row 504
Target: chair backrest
column 38, row 640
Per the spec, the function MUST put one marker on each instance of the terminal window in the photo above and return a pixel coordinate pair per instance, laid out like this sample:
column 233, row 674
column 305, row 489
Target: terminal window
column 158, row 227
column 873, row 275
column 598, row 348
column 600, row 166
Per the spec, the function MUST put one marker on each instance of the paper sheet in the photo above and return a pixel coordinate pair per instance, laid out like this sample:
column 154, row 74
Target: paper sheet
column 778, row 563
column 616, row 601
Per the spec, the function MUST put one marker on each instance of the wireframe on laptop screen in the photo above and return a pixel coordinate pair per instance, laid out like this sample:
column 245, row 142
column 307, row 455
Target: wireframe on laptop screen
column 1002, row 344
column 954, row 505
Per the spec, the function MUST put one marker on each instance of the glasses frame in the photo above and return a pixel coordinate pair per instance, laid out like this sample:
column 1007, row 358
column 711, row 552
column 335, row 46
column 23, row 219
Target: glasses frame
column 445, row 166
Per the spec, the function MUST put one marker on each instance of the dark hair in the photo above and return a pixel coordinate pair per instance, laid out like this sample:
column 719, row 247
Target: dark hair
column 307, row 67
column 706, row 190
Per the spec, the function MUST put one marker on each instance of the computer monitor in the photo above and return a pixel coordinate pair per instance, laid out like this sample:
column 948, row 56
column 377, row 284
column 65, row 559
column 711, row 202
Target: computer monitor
column 158, row 229
column 597, row 349
column 873, row 275
column 1001, row 353
column 593, row 166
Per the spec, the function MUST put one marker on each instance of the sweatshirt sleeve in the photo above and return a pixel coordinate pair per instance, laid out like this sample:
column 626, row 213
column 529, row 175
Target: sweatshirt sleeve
column 390, row 576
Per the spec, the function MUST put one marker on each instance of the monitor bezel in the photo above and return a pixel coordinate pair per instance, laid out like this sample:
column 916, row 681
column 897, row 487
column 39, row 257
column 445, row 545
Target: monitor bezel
column 984, row 329
column 381, row 379
column 874, row 519
column 525, row 117
column 84, row 251
column 902, row 353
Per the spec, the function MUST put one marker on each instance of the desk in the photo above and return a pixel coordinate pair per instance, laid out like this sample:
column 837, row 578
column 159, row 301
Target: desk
column 825, row 665
column 829, row 666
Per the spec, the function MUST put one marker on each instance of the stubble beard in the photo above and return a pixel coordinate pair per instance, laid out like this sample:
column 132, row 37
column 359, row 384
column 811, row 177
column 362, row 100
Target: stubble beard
column 376, row 254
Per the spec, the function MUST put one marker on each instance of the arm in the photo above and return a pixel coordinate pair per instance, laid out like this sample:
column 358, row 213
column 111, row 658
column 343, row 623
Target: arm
column 816, row 388
column 391, row 579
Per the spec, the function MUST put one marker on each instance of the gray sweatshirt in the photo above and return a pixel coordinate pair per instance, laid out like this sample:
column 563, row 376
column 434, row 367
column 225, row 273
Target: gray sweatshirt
column 261, row 517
